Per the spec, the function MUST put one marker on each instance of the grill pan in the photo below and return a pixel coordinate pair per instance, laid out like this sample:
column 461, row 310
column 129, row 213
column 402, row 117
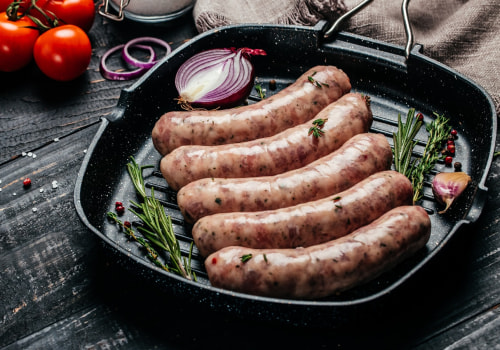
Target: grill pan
column 394, row 81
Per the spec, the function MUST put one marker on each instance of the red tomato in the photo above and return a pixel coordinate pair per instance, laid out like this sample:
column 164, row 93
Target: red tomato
column 81, row 13
column 63, row 53
column 4, row 4
column 17, row 39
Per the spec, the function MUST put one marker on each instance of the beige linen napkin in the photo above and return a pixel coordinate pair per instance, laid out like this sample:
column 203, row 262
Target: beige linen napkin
column 463, row 34
column 210, row 14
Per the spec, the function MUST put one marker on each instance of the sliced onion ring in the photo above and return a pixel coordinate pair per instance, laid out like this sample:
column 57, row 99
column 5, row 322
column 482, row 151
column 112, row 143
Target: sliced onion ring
column 138, row 63
column 127, row 75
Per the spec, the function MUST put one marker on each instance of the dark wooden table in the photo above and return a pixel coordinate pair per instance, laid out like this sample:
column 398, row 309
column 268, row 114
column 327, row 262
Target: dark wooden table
column 60, row 290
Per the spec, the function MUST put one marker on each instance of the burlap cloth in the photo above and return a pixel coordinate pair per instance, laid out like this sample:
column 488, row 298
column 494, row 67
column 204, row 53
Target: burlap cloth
column 463, row 34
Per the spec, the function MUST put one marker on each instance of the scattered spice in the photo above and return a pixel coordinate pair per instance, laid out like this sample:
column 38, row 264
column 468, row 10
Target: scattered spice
column 27, row 182
column 448, row 160
column 272, row 84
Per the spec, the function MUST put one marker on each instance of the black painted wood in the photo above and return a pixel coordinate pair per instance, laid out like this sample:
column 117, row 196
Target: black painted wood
column 60, row 290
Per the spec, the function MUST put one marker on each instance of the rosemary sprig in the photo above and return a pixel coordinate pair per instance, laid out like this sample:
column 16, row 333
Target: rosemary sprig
column 152, row 254
column 156, row 224
column 438, row 131
column 404, row 142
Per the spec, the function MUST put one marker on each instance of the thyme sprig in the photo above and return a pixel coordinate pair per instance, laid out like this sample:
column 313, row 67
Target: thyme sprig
column 316, row 129
column 156, row 225
column 415, row 168
column 315, row 82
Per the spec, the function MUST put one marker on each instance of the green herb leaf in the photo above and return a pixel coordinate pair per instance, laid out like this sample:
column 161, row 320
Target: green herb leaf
column 260, row 91
column 316, row 129
column 246, row 257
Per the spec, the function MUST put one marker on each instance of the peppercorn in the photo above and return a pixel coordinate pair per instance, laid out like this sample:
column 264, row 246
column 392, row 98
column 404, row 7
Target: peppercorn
column 448, row 160
column 420, row 117
column 27, row 182
column 451, row 149
column 127, row 224
column 120, row 209
column 457, row 166
column 454, row 133
column 272, row 84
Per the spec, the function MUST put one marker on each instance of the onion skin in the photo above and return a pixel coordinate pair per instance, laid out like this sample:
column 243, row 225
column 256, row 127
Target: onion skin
column 447, row 187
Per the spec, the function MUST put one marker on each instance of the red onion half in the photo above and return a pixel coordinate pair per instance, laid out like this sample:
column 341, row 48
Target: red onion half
column 216, row 78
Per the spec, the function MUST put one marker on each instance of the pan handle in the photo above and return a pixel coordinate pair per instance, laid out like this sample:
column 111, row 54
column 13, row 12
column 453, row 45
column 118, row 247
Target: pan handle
column 335, row 27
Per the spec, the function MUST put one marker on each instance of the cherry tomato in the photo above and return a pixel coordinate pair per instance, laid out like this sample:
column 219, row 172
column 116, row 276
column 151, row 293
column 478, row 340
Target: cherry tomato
column 63, row 53
column 17, row 39
column 78, row 12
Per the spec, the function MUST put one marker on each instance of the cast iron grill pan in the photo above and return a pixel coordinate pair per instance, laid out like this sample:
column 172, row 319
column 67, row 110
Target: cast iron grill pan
column 379, row 70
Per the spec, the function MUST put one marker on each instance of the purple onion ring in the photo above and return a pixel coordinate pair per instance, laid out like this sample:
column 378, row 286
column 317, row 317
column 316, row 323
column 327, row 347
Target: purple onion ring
column 138, row 63
column 111, row 75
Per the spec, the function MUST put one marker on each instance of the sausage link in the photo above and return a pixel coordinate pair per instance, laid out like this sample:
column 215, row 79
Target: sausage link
column 293, row 105
column 359, row 157
column 290, row 149
column 306, row 224
column 322, row 270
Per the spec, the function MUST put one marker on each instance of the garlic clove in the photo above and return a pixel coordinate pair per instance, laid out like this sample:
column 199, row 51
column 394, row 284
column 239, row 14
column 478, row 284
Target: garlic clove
column 447, row 187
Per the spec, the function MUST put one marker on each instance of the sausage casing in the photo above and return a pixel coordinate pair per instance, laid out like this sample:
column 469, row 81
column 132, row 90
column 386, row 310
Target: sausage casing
column 324, row 269
column 308, row 223
column 287, row 150
column 359, row 157
column 293, row 105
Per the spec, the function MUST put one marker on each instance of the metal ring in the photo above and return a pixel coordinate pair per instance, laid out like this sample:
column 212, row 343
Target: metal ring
column 107, row 14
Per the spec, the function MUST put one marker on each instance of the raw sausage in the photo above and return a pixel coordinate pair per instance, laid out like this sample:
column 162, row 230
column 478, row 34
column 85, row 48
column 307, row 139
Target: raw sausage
column 308, row 223
column 290, row 149
column 293, row 105
column 362, row 155
column 324, row 269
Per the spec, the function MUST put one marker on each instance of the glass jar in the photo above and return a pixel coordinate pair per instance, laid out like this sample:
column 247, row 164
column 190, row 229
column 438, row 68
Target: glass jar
column 147, row 11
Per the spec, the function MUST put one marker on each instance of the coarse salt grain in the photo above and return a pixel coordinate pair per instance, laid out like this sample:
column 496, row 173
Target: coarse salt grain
column 54, row 184
column 34, row 210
